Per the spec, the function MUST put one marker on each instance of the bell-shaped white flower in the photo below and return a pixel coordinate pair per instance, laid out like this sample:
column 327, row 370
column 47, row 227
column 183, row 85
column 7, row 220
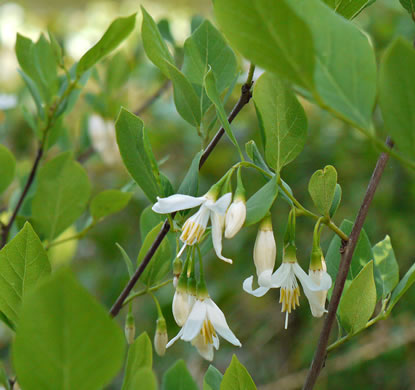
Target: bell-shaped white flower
column 235, row 217
column 205, row 322
column 195, row 226
column 285, row 278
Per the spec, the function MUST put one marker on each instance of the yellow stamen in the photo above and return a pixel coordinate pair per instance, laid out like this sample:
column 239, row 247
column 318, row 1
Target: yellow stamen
column 289, row 299
column 192, row 232
column 208, row 332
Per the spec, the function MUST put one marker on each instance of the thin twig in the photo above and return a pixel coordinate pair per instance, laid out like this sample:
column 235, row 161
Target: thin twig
column 347, row 251
column 243, row 100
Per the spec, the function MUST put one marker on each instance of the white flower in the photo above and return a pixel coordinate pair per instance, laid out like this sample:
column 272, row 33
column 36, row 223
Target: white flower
column 235, row 218
column 161, row 338
column 181, row 306
column 265, row 252
column 103, row 139
column 317, row 299
column 285, row 277
column 195, row 226
column 205, row 322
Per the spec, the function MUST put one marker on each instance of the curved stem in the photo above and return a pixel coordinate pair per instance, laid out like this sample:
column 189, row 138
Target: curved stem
column 146, row 290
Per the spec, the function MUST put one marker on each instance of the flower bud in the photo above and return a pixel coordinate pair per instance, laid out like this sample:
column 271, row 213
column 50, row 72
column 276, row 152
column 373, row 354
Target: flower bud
column 181, row 308
column 160, row 337
column 235, row 217
column 265, row 249
column 129, row 328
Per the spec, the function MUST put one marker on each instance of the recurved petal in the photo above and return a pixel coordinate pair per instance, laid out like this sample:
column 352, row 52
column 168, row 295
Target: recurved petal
column 259, row 292
column 221, row 205
column 176, row 202
column 281, row 274
column 306, row 280
column 175, row 338
column 218, row 321
column 217, row 230
column 195, row 321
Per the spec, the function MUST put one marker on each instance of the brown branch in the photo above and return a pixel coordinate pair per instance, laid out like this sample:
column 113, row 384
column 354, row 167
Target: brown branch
column 243, row 100
column 346, row 251
column 6, row 229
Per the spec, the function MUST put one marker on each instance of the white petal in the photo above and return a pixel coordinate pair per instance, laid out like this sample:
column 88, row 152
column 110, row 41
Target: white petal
column 264, row 279
column 326, row 282
column 217, row 230
column 221, row 205
column 205, row 350
column 216, row 342
column 305, row 279
column 176, row 202
column 259, row 292
column 218, row 321
column 281, row 274
column 195, row 321
column 175, row 338
column 317, row 301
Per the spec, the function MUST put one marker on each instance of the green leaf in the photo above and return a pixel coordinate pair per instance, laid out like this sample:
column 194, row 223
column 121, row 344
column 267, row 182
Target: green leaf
column 154, row 45
column 163, row 26
column 409, row 5
column 254, row 154
column 404, row 284
column 130, row 139
column 348, row 8
column 127, row 260
column 118, row 71
column 23, row 263
column 65, row 339
column 109, row 202
column 213, row 94
column 56, row 47
column 212, row 379
column 62, row 194
column 347, row 84
column 336, row 200
column 260, row 203
column 149, row 219
column 144, row 378
column 119, row 29
column 361, row 256
column 397, row 95
column 207, row 47
column 190, row 183
column 160, row 263
column 4, row 380
column 358, row 302
column 7, row 168
column 386, row 264
column 283, row 119
column 140, row 356
column 322, row 187
column 237, row 377
column 178, row 377
column 269, row 37
column 185, row 98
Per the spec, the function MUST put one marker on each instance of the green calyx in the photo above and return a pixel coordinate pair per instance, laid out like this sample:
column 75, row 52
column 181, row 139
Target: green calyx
column 316, row 257
column 216, row 189
column 290, row 254
column 266, row 223
column 161, row 325
column 202, row 291
column 129, row 320
column 240, row 193
column 177, row 266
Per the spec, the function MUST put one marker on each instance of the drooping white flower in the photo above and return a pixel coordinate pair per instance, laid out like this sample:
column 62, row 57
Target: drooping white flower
column 195, row 226
column 285, row 278
column 205, row 322
column 235, row 218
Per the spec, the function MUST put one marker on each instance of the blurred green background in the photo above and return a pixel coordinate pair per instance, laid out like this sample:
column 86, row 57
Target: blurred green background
column 381, row 358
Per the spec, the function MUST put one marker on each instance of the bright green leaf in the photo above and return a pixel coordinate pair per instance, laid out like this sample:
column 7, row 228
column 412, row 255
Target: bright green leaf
column 212, row 379
column 386, row 264
column 336, row 200
column 206, row 47
column 7, row 168
column 23, row 263
column 62, row 194
column 144, row 378
column 237, row 377
column 160, row 263
column 130, row 139
column 119, row 29
column 267, row 33
column 348, row 8
column 140, row 356
column 322, row 187
column 404, row 284
column 397, row 95
column 283, row 119
column 178, row 377
column 149, row 219
column 127, row 260
column 213, row 94
column 358, row 302
column 409, row 5
column 109, row 202
column 190, row 183
column 260, row 203
column 154, row 45
column 66, row 339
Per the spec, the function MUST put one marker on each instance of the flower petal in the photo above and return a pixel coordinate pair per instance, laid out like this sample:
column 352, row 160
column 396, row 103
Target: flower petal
column 281, row 274
column 221, row 205
column 259, row 292
column 176, row 202
column 326, row 282
column 175, row 338
column 217, row 230
column 216, row 342
column 305, row 279
column 264, row 279
column 195, row 321
column 218, row 321
column 205, row 350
